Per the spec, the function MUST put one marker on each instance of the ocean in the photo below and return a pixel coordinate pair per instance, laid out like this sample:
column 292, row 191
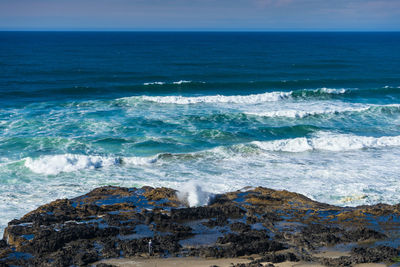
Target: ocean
column 314, row 113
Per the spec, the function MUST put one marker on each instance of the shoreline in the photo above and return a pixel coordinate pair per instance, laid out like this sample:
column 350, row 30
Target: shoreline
column 199, row 262
column 114, row 225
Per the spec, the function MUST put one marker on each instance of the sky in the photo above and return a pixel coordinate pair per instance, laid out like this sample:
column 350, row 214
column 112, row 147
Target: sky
column 264, row 15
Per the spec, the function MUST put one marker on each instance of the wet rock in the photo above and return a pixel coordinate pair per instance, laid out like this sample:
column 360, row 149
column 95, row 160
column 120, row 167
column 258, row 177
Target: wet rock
column 278, row 257
column 240, row 227
column 248, row 265
column 362, row 234
column 105, row 265
column 253, row 242
column 218, row 221
column 198, row 213
column 277, row 226
column 378, row 254
column 375, row 254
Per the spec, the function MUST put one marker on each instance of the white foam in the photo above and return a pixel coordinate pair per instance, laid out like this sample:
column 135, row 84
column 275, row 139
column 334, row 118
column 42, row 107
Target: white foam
column 236, row 99
column 181, row 82
column 192, row 193
column 331, row 90
column 302, row 110
column 330, row 142
column 55, row 164
column 162, row 83
column 352, row 177
column 154, row 83
column 239, row 99
column 139, row 160
column 52, row 165
column 295, row 113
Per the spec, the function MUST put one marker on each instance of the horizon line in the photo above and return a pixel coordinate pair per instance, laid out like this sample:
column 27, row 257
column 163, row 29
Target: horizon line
column 197, row 30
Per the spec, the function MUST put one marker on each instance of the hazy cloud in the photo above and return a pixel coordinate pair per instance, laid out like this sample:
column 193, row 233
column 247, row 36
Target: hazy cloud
column 201, row 14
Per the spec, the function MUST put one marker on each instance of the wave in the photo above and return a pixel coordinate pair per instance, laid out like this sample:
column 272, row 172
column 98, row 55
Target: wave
column 55, row 164
column 319, row 92
column 236, row 99
column 154, row 83
column 175, row 83
column 326, row 110
column 182, row 82
column 322, row 141
column 391, row 87
column 328, row 142
column 292, row 113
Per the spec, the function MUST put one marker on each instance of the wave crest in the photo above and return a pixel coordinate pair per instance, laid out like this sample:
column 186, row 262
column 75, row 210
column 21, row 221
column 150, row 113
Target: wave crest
column 326, row 141
column 298, row 113
column 329, row 142
column 55, row 164
column 154, row 83
column 237, row 99
column 174, row 83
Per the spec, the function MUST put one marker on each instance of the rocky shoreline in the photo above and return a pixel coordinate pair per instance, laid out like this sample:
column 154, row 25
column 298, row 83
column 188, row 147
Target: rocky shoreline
column 266, row 226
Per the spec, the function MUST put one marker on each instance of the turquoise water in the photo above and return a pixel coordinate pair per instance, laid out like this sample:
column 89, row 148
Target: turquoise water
column 314, row 113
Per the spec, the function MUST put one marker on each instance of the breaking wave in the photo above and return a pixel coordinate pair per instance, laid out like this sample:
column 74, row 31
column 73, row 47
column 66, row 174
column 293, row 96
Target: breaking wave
column 329, row 142
column 55, row 164
column 154, row 83
column 297, row 113
column 236, row 99
column 319, row 92
column 175, row 83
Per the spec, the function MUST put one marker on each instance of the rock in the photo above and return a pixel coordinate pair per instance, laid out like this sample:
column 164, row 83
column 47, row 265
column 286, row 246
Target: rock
column 240, row 227
column 270, row 225
column 104, row 265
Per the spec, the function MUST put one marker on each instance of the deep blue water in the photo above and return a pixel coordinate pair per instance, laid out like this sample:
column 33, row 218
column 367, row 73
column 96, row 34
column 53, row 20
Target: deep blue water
column 315, row 113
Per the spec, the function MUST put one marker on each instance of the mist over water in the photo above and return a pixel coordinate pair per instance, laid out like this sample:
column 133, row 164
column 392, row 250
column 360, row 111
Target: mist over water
column 314, row 113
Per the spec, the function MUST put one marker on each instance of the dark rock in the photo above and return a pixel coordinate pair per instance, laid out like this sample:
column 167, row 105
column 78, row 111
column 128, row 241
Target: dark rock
column 240, row 227
column 112, row 222
column 278, row 257
column 218, row 221
column 104, row 265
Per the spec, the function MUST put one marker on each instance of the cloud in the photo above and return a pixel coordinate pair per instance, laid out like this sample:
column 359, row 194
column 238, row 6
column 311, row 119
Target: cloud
column 193, row 14
column 272, row 3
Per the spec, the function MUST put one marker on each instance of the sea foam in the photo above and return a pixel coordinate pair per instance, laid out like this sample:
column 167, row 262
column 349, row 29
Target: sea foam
column 331, row 90
column 238, row 99
column 154, row 83
column 181, row 82
column 322, row 109
column 55, row 164
column 235, row 99
column 162, row 83
column 329, row 142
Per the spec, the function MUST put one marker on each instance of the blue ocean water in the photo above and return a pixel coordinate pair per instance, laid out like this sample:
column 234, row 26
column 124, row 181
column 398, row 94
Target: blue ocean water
column 314, row 113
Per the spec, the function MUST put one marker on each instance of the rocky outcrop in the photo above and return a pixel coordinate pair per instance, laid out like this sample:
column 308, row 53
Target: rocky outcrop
column 271, row 226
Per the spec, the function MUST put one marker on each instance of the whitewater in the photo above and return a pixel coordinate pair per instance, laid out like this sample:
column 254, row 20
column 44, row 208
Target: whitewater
column 283, row 140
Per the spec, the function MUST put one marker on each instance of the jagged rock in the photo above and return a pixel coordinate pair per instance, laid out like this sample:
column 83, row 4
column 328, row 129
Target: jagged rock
column 112, row 222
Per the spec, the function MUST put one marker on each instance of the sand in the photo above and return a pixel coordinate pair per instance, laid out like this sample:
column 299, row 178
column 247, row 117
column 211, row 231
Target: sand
column 200, row 262
column 173, row 262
